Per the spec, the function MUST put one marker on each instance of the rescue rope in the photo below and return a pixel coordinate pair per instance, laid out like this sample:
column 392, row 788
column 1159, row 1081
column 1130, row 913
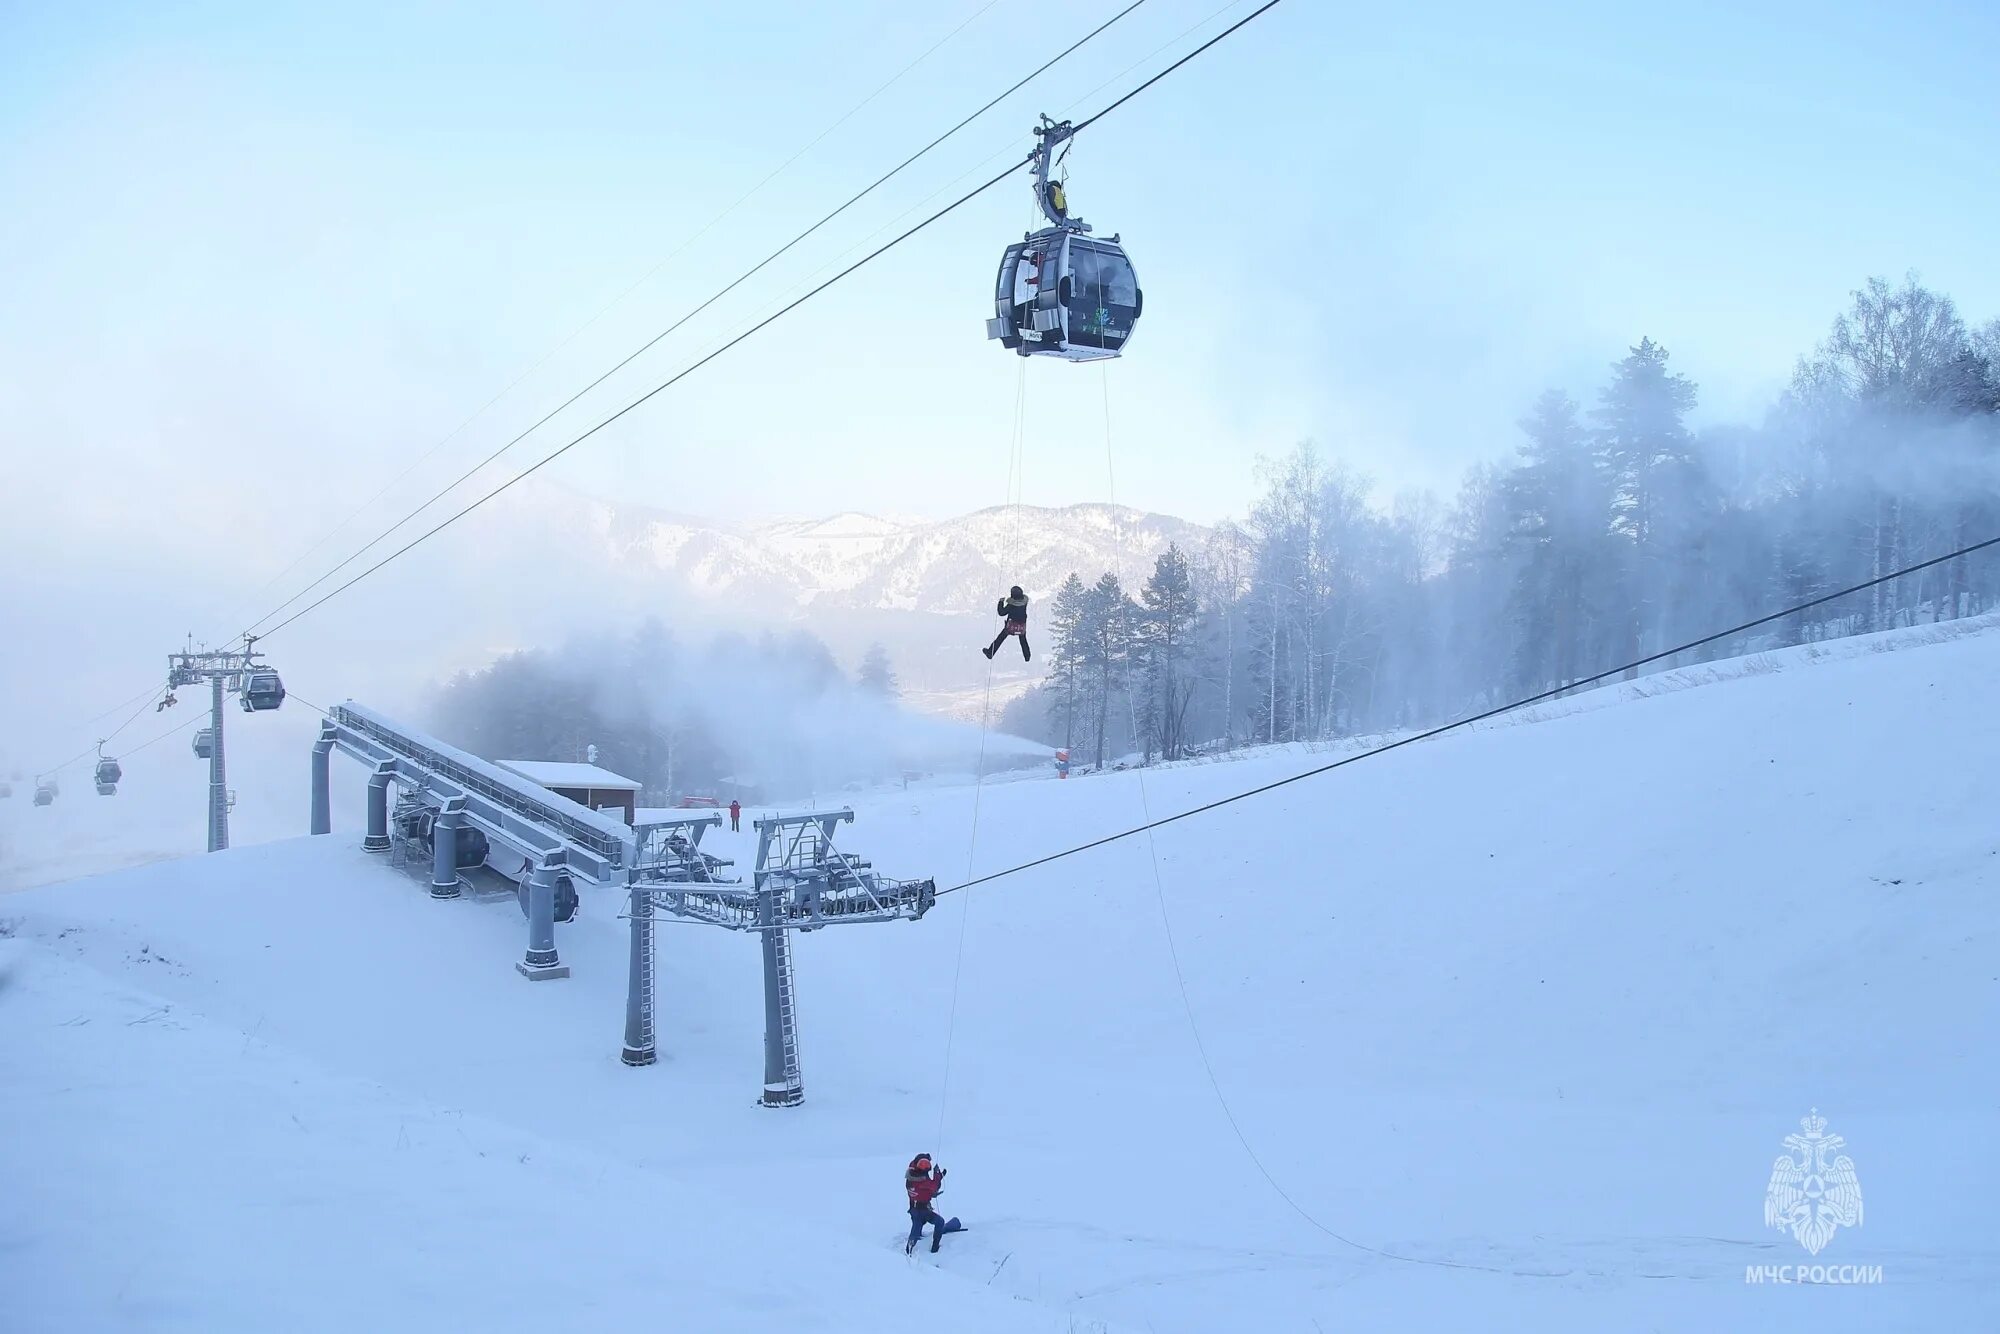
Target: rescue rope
column 1173, row 947
column 1016, row 467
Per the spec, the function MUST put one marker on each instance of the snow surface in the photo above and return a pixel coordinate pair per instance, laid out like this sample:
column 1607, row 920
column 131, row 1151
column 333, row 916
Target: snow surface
column 1523, row 1015
column 563, row 773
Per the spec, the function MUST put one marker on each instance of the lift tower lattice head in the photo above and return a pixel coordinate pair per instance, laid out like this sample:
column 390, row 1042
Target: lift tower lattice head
column 235, row 671
column 802, row 882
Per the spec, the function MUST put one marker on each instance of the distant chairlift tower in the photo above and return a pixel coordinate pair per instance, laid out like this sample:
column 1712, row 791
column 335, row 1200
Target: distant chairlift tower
column 802, row 882
column 237, row 672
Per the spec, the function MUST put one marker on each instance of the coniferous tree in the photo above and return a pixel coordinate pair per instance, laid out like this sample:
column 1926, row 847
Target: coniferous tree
column 1166, row 644
column 875, row 676
column 1656, row 490
column 1559, row 502
column 1066, row 629
column 1605, row 539
column 1106, row 638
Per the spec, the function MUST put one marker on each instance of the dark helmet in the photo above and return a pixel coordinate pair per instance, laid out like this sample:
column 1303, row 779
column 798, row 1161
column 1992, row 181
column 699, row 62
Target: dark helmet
column 1015, row 592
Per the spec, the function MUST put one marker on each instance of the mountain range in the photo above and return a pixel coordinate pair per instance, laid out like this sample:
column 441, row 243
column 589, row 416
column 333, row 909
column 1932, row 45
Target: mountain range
column 922, row 588
column 862, row 562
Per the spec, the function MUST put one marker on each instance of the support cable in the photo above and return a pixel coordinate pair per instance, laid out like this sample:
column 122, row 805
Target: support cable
column 1482, row 716
column 1015, row 464
column 754, row 329
column 724, row 291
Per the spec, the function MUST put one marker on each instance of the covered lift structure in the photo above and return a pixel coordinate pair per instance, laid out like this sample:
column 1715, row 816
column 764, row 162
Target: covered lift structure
column 448, row 797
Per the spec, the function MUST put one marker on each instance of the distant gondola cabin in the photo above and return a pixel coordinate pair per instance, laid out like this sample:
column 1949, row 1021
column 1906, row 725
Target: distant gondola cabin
column 584, row 784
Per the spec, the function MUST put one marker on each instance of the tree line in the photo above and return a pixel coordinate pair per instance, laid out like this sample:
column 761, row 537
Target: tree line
column 1616, row 530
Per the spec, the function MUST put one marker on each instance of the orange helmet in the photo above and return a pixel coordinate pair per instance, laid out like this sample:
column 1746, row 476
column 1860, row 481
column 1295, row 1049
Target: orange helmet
column 920, row 1164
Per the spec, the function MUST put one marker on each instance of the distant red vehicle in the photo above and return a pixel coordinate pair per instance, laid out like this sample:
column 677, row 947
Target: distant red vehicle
column 704, row 803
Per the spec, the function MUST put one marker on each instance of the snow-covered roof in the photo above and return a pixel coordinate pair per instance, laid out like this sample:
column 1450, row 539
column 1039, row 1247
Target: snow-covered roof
column 555, row 773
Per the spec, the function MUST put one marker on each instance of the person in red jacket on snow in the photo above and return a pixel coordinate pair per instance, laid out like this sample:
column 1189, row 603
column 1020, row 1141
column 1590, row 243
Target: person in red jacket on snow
column 921, row 1183
column 735, row 814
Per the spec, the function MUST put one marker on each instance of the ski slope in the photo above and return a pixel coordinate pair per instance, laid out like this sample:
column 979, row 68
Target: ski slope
column 1522, row 1015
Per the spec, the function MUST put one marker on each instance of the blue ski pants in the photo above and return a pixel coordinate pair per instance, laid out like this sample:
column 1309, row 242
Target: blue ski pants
column 921, row 1214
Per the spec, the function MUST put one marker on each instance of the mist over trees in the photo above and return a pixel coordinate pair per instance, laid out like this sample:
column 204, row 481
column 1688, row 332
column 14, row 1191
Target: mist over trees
column 766, row 719
column 1613, row 530
column 876, row 676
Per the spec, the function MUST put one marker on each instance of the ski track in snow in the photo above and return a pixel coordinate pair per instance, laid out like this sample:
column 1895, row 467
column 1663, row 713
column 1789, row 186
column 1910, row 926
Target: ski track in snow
column 1531, row 1007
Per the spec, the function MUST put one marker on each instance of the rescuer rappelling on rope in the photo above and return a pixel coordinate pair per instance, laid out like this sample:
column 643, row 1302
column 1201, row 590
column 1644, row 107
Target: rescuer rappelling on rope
column 1014, row 607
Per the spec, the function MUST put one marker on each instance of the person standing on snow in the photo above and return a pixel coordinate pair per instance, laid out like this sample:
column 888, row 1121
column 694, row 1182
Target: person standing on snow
column 735, row 814
column 1015, row 608
column 921, row 1183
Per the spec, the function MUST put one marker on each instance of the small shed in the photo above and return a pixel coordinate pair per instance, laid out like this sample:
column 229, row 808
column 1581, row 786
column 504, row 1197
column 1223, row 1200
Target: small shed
column 584, row 784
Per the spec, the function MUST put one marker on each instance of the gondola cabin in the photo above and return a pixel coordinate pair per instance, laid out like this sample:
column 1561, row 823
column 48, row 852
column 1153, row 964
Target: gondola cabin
column 1061, row 293
column 262, row 690
column 45, row 793
column 107, row 776
column 204, row 743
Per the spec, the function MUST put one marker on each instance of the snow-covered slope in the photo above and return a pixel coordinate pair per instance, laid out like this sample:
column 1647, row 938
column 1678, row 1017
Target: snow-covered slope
column 164, row 1171
column 1519, row 1017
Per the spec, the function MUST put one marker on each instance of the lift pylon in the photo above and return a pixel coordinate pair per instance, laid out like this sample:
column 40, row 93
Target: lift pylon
column 802, row 882
column 226, row 671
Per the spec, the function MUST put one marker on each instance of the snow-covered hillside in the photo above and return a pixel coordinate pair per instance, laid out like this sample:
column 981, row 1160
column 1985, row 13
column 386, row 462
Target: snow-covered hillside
column 1520, row 1017
column 854, row 562
column 923, row 589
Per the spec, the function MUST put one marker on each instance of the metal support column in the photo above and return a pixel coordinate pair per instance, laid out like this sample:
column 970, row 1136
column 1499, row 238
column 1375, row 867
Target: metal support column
column 541, row 962
column 377, row 837
column 802, row 883
column 782, row 1086
column 322, row 780
column 444, row 850
column 223, row 670
column 639, row 1049
column 218, row 777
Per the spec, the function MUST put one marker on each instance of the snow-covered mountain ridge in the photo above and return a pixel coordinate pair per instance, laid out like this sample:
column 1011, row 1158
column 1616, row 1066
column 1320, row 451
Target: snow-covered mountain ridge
column 853, row 561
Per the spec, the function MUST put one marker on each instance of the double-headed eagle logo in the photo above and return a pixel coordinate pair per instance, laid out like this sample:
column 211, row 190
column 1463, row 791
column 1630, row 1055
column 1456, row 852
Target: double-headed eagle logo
column 1814, row 1191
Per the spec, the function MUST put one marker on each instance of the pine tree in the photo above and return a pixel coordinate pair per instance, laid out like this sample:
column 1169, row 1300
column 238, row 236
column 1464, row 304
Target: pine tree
column 1559, row 510
column 1221, row 577
column 1066, row 655
column 1659, row 492
column 1106, row 637
column 875, row 676
column 1166, row 641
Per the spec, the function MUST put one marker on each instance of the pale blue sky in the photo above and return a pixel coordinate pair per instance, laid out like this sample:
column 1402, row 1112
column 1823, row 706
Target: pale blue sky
column 326, row 233
column 261, row 256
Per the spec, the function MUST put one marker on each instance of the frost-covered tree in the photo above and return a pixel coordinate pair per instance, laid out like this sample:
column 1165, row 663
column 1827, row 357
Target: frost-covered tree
column 1067, row 698
column 1105, row 637
column 1610, row 534
column 1165, row 647
column 1560, row 513
column 875, row 676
